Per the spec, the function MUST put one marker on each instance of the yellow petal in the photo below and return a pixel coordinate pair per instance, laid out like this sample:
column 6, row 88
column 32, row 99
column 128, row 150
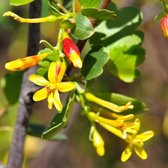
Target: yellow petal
column 76, row 60
column 126, row 153
column 140, row 152
column 40, row 94
column 24, row 63
column 145, row 135
column 38, row 80
column 65, row 86
column 57, row 101
column 56, row 71
column 114, row 130
column 52, row 72
column 100, row 150
column 50, row 100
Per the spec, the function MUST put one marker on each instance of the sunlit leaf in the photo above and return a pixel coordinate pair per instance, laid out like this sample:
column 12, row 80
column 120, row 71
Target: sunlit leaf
column 122, row 42
column 89, row 3
column 20, row 2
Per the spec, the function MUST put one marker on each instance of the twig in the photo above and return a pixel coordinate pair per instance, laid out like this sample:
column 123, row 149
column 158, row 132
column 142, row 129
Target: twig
column 25, row 100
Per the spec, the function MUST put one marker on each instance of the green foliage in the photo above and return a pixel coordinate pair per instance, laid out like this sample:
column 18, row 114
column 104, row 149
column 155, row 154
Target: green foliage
column 89, row 3
column 11, row 84
column 101, row 14
column 83, row 28
column 37, row 130
column 122, row 42
column 60, row 120
column 93, row 64
column 20, row 2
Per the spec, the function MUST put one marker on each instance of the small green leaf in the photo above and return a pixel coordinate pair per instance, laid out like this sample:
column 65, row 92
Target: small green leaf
column 90, row 3
column 20, row 2
column 83, row 28
column 60, row 120
column 54, row 8
column 37, row 130
column 102, row 14
column 93, row 64
column 11, row 84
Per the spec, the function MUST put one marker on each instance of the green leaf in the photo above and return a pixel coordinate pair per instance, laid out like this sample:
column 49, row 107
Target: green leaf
column 20, row 2
column 83, row 28
column 120, row 99
column 11, row 84
column 125, row 58
column 122, row 42
column 90, row 3
column 102, row 14
column 60, row 120
column 93, row 64
column 37, row 130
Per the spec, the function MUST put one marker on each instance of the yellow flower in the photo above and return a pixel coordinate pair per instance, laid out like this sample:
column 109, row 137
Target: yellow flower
column 136, row 142
column 108, row 105
column 120, row 127
column 52, row 86
column 98, row 142
column 24, row 63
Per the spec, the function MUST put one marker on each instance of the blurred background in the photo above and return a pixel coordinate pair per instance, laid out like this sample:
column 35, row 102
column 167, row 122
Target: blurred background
column 151, row 87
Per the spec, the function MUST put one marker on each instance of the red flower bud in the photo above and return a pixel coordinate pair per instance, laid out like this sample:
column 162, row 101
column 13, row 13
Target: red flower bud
column 164, row 26
column 71, row 51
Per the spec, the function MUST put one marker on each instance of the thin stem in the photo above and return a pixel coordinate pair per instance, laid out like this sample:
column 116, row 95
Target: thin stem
column 25, row 100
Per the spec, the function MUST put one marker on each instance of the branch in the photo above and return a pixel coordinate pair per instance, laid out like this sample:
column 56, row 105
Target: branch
column 25, row 100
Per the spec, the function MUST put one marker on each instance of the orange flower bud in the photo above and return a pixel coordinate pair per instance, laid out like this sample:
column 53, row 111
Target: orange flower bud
column 71, row 51
column 24, row 63
column 164, row 26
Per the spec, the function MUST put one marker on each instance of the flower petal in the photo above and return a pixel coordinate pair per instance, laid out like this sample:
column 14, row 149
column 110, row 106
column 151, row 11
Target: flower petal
column 145, row 135
column 50, row 100
column 140, row 152
column 57, row 101
column 65, row 86
column 38, row 80
column 127, row 153
column 40, row 94
column 24, row 63
column 52, row 72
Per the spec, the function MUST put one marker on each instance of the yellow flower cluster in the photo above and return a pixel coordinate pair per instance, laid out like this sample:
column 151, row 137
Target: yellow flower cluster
column 119, row 125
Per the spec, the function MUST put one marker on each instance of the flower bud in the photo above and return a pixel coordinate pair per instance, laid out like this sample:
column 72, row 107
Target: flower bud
column 24, row 63
column 71, row 51
column 164, row 26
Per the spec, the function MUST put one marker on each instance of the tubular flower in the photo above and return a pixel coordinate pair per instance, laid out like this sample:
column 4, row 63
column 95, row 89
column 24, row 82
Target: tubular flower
column 164, row 26
column 107, row 104
column 52, row 86
column 98, row 142
column 71, row 51
column 24, row 63
column 136, row 142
